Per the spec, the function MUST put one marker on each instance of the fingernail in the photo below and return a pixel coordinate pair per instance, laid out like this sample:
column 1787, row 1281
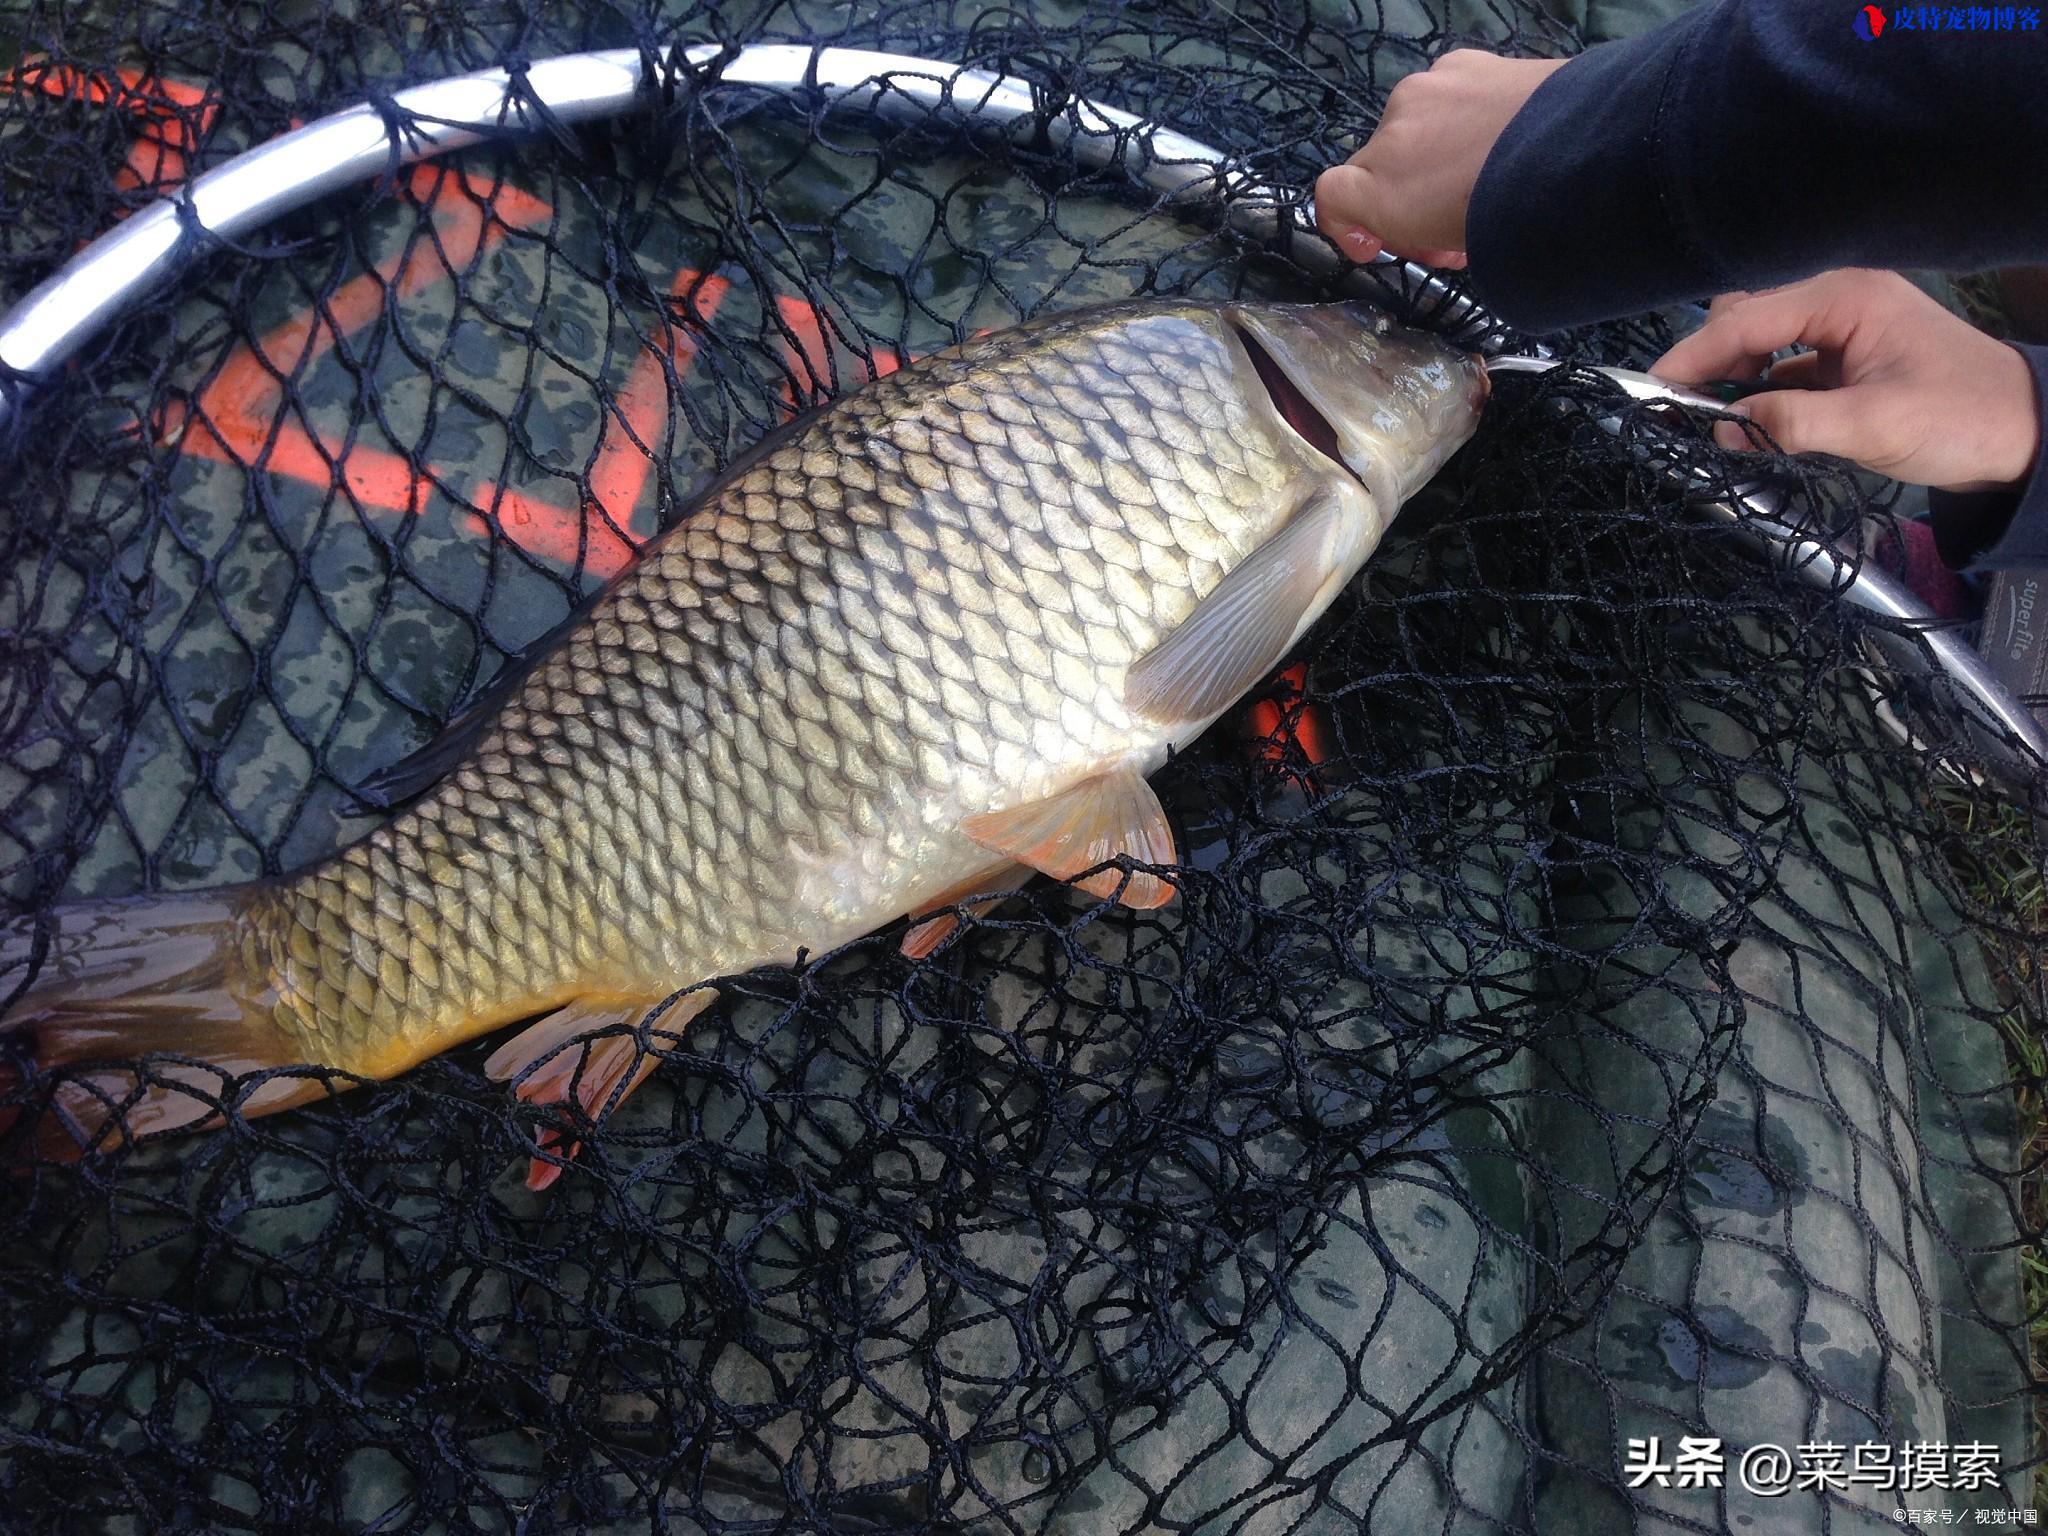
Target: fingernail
column 1359, row 243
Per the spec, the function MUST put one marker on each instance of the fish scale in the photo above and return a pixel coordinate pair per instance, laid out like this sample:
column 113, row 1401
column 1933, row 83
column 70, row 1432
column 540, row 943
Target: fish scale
column 889, row 654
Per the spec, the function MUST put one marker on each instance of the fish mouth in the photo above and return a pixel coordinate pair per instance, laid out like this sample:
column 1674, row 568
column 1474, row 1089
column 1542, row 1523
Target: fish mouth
column 1294, row 407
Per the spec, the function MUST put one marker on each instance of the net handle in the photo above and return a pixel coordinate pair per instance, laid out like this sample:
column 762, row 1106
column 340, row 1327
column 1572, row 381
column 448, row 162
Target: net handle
column 289, row 172
column 2005, row 731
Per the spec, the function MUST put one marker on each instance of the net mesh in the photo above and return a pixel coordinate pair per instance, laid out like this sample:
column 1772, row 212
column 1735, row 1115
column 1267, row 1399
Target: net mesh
column 1601, row 1002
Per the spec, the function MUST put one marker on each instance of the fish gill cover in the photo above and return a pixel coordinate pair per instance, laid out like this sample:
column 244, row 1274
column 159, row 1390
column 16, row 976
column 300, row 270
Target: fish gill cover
column 1584, row 1017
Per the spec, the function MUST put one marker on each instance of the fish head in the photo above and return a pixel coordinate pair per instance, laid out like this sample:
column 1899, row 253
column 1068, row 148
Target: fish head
column 1387, row 403
column 1350, row 415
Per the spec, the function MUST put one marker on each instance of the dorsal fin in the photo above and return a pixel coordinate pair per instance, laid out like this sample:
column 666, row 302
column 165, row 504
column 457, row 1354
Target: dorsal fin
column 385, row 789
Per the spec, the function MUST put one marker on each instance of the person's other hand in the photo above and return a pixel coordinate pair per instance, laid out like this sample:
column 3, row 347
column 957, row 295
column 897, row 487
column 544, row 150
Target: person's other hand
column 1894, row 381
column 1407, row 189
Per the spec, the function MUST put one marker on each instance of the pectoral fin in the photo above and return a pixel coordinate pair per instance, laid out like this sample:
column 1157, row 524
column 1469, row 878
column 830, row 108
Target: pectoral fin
column 1238, row 634
column 1111, row 814
column 558, row 1069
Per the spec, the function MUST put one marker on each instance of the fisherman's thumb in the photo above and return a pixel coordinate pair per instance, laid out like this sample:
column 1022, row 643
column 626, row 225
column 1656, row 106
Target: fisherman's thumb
column 1355, row 197
column 1803, row 421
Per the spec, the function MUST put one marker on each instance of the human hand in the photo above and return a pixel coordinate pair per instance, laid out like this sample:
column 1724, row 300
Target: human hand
column 1895, row 382
column 1407, row 189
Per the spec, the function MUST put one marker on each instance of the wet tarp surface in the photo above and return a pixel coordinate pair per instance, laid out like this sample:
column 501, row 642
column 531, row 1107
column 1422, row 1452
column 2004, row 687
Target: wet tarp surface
column 1572, row 1029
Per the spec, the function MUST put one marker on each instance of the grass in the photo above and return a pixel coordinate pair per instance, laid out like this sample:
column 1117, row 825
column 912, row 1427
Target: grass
column 2005, row 873
column 2015, row 881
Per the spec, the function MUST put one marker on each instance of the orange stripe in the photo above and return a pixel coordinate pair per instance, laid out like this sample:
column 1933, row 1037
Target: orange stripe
column 1289, row 722
column 549, row 532
column 811, row 358
column 173, row 116
column 373, row 476
column 250, row 383
column 236, row 408
column 132, row 90
column 232, row 419
column 640, row 409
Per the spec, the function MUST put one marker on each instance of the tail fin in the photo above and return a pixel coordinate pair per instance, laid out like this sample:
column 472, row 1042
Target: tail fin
column 141, row 1009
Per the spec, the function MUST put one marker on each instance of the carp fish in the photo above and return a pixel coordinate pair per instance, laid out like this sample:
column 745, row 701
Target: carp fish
column 913, row 650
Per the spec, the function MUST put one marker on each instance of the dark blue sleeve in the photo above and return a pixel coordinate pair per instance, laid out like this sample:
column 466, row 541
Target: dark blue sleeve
column 1994, row 531
column 1752, row 142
